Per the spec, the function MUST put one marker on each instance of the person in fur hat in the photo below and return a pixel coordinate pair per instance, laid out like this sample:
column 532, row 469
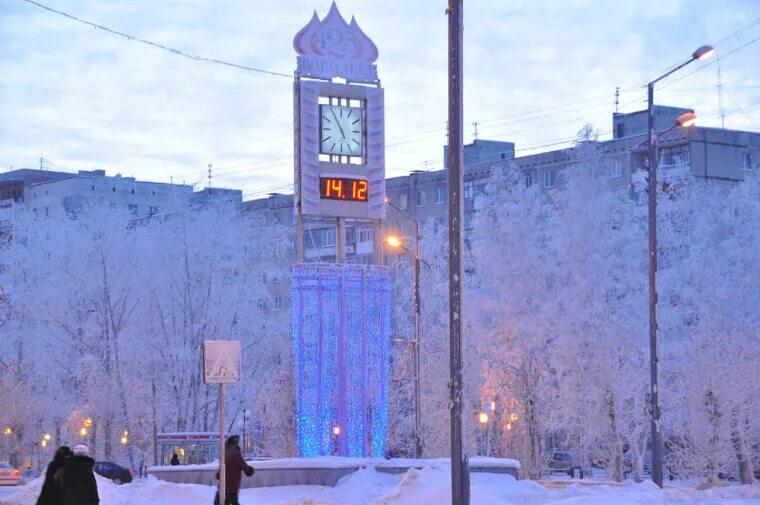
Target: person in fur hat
column 76, row 479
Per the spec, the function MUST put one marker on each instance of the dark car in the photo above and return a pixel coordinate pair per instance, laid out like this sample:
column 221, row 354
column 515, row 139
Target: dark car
column 118, row 474
column 562, row 462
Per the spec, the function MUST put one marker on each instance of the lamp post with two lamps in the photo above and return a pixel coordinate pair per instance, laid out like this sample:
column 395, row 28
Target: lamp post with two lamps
column 685, row 121
column 397, row 242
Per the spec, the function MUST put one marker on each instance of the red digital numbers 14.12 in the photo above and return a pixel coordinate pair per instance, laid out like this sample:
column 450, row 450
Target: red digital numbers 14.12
column 341, row 188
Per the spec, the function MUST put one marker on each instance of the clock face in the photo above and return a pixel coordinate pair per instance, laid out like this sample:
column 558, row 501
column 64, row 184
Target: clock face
column 341, row 129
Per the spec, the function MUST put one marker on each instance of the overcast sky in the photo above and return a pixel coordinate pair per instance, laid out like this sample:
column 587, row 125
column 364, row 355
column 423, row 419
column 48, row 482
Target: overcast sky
column 535, row 72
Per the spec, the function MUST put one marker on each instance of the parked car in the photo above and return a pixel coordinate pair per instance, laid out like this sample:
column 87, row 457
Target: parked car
column 562, row 462
column 9, row 476
column 118, row 474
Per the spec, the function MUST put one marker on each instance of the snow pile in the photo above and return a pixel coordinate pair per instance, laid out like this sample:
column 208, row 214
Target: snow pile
column 428, row 486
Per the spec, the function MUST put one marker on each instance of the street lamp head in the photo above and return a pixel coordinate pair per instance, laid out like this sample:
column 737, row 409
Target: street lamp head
column 336, row 430
column 483, row 418
column 7, row 431
column 47, row 436
column 686, row 120
column 83, row 432
column 394, row 241
column 124, row 440
column 703, row 53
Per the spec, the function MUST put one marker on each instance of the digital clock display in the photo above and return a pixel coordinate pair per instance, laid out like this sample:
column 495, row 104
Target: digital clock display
column 341, row 188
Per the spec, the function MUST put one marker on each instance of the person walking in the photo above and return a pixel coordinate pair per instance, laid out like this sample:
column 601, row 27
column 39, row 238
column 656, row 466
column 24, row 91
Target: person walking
column 77, row 480
column 50, row 494
column 175, row 460
column 234, row 465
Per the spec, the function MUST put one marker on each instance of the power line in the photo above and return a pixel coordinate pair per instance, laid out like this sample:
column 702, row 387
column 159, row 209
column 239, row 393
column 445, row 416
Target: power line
column 714, row 44
column 157, row 45
column 713, row 62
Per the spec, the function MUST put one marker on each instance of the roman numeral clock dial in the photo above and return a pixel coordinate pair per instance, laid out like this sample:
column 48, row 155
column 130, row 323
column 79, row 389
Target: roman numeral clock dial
column 341, row 129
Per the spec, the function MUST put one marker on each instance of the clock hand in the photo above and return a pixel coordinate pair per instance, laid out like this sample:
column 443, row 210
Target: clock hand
column 338, row 122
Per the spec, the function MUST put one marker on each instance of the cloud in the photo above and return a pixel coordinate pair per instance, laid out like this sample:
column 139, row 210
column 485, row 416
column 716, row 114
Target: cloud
column 81, row 97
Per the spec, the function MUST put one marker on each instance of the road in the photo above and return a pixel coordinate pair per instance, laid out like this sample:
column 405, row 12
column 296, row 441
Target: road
column 6, row 491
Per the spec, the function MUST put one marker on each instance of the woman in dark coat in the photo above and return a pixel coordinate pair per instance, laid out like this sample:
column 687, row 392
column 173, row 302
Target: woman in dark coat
column 77, row 479
column 51, row 493
column 234, row 464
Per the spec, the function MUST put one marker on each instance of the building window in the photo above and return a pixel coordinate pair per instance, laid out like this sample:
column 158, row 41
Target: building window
column 133, row 210
column 113, row 189
column 440, row 196
column 262, row 304
column 674, row 156
column 747, row 162
column 292, row 246
column 620, row 131
column 403, row 201
column 276, row 277
column 468, row 216
column 328, row 238
column 420, row 197
column 549, row 179
column 504, row 156
column 47, row 211
column 469, row 189
column 366, row 235
column 278, row 303
column 133, row 191
column 616, row 168
column 529, row 178
column 93, row 187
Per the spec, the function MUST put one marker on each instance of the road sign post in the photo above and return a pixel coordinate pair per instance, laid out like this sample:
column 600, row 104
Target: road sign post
column 221, row 365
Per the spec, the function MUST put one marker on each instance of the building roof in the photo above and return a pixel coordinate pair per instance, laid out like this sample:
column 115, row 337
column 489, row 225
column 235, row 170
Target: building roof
column 31, row 176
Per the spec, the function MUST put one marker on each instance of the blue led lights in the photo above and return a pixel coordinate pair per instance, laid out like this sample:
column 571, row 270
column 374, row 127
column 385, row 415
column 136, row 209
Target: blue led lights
column 341, row 327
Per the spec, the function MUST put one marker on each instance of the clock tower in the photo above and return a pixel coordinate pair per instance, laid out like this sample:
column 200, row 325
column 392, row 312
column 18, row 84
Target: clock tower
column 341, row 313
column 339, row 124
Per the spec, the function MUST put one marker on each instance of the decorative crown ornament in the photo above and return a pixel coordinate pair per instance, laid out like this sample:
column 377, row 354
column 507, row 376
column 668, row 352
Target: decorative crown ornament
column 331, row 47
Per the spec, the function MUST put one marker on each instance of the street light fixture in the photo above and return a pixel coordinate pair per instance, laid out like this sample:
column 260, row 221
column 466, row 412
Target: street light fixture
column 398, row 243
column 47, row 437
column 83, row 432
column 657, row 449
column 483, row 418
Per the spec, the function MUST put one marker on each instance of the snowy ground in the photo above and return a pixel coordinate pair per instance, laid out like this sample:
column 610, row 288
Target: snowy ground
column 429, row 486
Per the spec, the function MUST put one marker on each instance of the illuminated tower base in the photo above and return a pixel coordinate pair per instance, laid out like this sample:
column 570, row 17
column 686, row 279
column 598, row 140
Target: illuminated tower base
column 341, row 327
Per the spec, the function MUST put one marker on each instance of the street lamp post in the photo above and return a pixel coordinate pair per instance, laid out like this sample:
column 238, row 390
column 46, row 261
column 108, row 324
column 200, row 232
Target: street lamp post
column 246, row 416
column 657, row 448
column 483, row 420
column 397, row 242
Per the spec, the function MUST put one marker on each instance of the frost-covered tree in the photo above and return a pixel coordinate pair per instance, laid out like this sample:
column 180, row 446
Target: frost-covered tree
column 107, row 319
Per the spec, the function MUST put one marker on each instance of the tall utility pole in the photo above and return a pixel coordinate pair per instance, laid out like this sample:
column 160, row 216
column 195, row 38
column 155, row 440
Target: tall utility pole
column 654, row 360
column 652, row 263
column 460, row 476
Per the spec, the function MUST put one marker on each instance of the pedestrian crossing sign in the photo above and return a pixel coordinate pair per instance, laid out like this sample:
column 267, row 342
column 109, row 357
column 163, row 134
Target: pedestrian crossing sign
column 221, row 361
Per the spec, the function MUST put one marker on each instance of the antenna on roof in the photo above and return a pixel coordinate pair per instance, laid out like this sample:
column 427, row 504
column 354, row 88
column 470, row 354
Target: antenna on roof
column 208, row 196
column 617, row 98
column 721, row 108
column 41, row 161
column 475, row 133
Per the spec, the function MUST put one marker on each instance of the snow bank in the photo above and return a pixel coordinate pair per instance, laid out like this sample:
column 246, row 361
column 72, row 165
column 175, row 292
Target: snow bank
column 428, row 486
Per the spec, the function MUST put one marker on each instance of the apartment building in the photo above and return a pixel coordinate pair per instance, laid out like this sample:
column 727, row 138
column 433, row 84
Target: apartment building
column 711, row 153
column 51, row 194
